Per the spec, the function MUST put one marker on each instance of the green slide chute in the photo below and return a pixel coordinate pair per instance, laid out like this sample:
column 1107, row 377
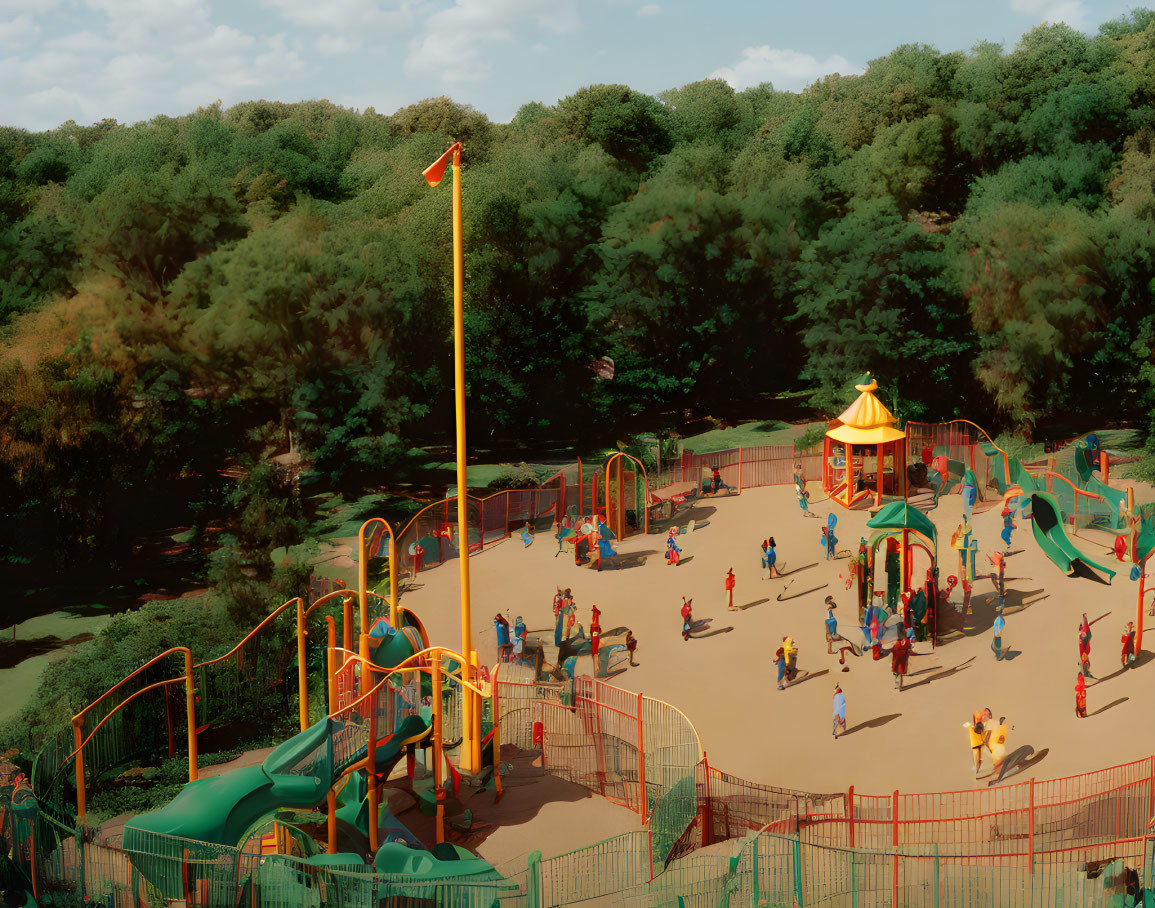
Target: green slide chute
column 1047, row 525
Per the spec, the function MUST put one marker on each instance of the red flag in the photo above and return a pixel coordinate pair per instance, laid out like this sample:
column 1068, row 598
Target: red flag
column 435, row 171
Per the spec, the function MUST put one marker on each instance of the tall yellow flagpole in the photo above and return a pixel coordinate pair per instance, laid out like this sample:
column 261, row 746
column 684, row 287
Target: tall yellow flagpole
column 471, row 715
column 470, row 753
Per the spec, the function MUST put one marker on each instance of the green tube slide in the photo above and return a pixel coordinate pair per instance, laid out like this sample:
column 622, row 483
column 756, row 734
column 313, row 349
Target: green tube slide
column 1047, row 525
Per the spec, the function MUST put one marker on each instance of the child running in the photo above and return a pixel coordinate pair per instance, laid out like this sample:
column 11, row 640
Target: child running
column 1128, row 640
column 687, row 617
column 998, row 574
column 899, row 655
column 978, row 736
column 831, row 625
column 503, row 644
column 1009, row 524
column 839, row 711
column 770, row 559
column 1081, row 696
column 790, row 652
column 779, row 661
column 997, row 745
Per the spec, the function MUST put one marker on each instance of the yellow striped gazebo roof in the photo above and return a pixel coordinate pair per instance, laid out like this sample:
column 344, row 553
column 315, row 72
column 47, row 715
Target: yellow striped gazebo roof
column 866, row 421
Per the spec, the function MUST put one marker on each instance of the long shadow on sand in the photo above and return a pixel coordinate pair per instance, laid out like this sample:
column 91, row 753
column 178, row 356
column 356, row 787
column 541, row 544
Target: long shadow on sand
column 876, row 722
column 981, row 616
column 808, row 676
column 1103, row 709
column 527, row 790
column 626, row 560
column 752, row 604
column 1142, row 659
column 711, row 633
column 962, row 666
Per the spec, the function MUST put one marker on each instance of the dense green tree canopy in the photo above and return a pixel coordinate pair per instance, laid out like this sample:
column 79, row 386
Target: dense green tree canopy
column 182, row 294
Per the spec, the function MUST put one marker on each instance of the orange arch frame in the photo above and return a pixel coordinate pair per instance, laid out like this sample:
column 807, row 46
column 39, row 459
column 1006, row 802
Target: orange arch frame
column 616, row 457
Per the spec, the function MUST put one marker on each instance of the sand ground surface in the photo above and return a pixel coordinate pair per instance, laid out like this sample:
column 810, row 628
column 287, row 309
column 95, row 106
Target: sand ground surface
column 724, row 682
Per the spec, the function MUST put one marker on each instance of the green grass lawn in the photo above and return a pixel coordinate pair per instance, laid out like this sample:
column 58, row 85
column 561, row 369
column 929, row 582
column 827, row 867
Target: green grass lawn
column 748, row 434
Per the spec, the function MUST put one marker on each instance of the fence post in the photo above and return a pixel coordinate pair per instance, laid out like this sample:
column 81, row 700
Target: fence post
column 533, row 880
column 853, row 880
column 936, row 893
column 894, row 869
column 850, row 813
column 708, row 820
column 757, row 887
column 1031, row 830
column 739, row 469
column 1151, row 789
column 644, row 801
column 796, row 847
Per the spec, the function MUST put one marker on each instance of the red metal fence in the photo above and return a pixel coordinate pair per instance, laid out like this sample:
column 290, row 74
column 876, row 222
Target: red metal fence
column 600, row 737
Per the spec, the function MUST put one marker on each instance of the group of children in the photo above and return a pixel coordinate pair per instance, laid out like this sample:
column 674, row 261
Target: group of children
column 509, row 650
column 983, row 736
column 1126, row 656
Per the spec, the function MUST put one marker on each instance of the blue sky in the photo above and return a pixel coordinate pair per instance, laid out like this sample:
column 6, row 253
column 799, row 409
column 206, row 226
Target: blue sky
column 85, row 60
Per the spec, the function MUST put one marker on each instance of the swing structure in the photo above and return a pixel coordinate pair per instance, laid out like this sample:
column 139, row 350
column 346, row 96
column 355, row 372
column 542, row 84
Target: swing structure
column 867, row 431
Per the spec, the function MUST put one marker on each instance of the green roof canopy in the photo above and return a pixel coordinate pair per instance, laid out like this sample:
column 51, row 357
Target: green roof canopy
column 898, row 515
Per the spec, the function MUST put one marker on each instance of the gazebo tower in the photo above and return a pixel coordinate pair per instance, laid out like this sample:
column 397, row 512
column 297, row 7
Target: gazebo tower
column 864, row 452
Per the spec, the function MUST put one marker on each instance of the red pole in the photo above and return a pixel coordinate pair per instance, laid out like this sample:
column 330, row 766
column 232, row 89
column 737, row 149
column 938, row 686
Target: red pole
column 1151, row 789
column 1031, row 832
column 850, row 813
column 708, row 824
column 894, row 874
column 644, row 801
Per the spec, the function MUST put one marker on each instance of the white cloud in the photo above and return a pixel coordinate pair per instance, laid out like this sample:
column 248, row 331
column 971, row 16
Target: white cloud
column 449, row 46
column 351, row 17
column 140, row 58
column 650, row 9
column 1073, row 12
column 337, row 45
column 788, row 70
column 24, row 7
column 18, row 31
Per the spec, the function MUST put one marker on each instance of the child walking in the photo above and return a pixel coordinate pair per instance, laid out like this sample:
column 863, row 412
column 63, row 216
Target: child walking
column 831, row 625
column 730, row 590
column 839, row 712
column 687, row 617
column 770, row 559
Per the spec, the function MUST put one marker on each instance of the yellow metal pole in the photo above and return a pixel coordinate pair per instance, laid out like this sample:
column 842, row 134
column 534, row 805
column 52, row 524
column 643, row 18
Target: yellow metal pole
column 331, row 663
column 302, row 674
column 393, row 614
column 190, row 707
column 470, row 714
column 437, row 767
column 347, row 623
column 477, row 713
column 363, row 579
column 371, row 768
column 366, row 674
column 78, row 739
